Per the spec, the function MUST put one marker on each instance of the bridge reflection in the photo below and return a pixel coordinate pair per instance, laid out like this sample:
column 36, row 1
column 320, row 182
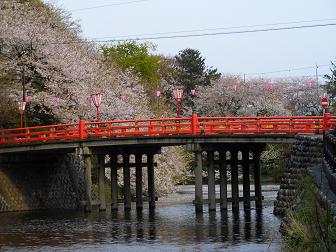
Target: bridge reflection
column 225, row 226
column 170, row 226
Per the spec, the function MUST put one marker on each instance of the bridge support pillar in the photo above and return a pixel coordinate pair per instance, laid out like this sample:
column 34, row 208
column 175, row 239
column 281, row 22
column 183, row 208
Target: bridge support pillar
column 223, row 180
column 127, row 182
column 88, row 181
column 234, row 179
column 101, row 182
column 138, row 175
column 198, row 182
column 150, row 172
column 257, row 179
column 114, row 181
column 211, row 182
column 246, row 179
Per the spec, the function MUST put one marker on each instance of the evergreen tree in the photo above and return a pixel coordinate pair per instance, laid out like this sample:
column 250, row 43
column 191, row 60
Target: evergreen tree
column 331, row 83
column 191, row 72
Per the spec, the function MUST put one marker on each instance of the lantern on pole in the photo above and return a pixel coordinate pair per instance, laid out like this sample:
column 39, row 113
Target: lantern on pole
column 269, row 86
column 27, row 98
column 158, row 93
column 178, row 94
column 90, row 100
column 22, row 107
column 193, row 91
column 309, row 84
column 97, row 100
column 235, row 87
column 122, row 98
column 57, row 100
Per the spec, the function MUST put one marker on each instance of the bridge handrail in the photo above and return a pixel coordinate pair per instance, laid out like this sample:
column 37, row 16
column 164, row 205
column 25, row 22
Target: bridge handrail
column 170, row 126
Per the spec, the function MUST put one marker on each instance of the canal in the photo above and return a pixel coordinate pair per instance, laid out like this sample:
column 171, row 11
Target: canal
column 172, row 226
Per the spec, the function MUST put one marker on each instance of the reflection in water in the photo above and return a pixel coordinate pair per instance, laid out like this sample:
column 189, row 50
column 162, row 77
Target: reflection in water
column 152, row 224
column 199, row 223
column 173, row 227
column 224, row 226
column 247, row 221
column 139, row 225
column 128, row 225
column 235, row 224
column 259, row 224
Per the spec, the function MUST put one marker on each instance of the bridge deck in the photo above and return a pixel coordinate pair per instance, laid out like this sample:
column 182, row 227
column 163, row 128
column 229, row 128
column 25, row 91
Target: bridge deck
column 148, row 142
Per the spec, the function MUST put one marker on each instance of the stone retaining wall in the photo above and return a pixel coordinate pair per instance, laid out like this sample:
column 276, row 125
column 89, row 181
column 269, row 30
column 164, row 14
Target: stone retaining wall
column 40, row 181
column 329, row 162
column 307, row 151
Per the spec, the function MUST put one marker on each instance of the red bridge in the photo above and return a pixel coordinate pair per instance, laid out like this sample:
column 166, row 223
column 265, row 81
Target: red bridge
column 244, row 135
column 170, row 126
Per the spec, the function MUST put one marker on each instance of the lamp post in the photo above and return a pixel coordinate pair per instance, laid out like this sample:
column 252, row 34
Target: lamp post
column 157, row 94
column 97, row 100
column 193, row 94
column 178, row 94
column 22, row 107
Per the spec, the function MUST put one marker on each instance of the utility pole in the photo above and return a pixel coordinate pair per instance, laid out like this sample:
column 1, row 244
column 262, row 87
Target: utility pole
column 23, row 78
column 23, row 94
column 317, row 80
column 244, row 77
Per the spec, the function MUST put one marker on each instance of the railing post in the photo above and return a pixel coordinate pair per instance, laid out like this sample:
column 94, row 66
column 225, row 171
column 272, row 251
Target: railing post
column 194, row 124
column 82, row 130
column 326, row 118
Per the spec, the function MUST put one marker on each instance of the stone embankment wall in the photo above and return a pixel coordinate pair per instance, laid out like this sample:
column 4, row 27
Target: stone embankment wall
column 40, row 181
column 307, row 151
column 329, row 162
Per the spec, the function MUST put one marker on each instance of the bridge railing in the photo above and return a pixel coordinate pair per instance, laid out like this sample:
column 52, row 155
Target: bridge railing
column 267, row 125
column 149, row 127
column 40, row 134
column 170, row 126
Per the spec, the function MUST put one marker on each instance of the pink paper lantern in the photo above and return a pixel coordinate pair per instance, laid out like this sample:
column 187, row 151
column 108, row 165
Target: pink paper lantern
column 309, row 84
column 269, row 86
column 235, row 87
column 193, row 92
column 90, row 100
column 158, row 93
column 27, row 98
column 122, row 97
column 57, row 99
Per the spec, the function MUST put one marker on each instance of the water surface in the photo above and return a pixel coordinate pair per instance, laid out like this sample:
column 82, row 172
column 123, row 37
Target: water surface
column 172, row 226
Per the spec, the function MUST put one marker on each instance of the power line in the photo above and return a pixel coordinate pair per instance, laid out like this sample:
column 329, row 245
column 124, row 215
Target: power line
column 191, row 35
column 288, row 70
column 109, row 5
column 221, row 33
column 214, row 29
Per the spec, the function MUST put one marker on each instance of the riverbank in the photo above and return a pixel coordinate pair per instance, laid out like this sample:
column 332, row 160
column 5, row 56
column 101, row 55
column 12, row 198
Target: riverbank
column 311, row 225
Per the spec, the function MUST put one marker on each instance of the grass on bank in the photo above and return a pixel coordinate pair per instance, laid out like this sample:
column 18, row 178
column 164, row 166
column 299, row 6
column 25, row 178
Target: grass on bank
column 310, row 226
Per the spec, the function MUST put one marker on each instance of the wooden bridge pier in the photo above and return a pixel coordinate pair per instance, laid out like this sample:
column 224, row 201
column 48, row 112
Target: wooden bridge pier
column 257, row 178
column 138, row 182
column 246, row 178
column 126, row 166
column 223, row 179
column 101, row 182
column 223, row 163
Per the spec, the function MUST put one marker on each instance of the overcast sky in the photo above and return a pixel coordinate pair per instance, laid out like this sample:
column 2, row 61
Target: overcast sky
column 235, row 53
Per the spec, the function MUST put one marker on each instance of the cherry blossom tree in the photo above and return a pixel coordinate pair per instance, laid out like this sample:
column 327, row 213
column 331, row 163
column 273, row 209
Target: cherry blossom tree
column 259, row 97
column 62, row 71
